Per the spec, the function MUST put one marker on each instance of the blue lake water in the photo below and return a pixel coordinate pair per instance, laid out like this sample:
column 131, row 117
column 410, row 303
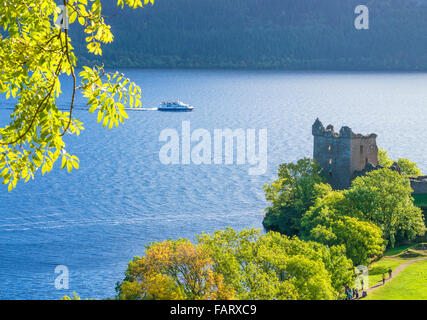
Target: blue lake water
column 96, row 219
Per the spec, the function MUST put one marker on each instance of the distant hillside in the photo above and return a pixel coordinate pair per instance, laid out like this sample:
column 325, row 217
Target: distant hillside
column 289, row 34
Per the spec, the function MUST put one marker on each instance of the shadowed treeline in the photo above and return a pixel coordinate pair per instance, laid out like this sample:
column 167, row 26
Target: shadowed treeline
column 289, row 34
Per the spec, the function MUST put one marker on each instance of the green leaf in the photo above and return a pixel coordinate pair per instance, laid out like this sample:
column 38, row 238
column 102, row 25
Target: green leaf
column 63, row 162
column 4, row 172
column 100, row 116
column 69, row 166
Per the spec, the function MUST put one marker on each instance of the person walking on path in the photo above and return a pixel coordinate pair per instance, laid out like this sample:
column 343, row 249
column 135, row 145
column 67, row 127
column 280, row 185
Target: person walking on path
column 390, row 272
column 362, row 283
column 383, row 278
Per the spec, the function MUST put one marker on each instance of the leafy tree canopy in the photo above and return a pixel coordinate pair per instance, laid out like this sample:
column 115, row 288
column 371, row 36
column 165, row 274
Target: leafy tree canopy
column 173, row 270
column 327, row 223
column 291, row 195
column 377, row 211
column 35, row 50
column 384, row 197
column 238, row 265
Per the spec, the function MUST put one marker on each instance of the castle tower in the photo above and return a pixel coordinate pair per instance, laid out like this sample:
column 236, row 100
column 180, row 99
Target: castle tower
column 341, row 154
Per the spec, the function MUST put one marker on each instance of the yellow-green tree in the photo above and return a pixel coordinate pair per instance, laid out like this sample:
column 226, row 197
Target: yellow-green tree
column 172, row 270
column 35, row 50
column 241, row 265
column 407, row 167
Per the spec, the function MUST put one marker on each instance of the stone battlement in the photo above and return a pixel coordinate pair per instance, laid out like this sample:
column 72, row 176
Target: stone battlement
column 345, row 132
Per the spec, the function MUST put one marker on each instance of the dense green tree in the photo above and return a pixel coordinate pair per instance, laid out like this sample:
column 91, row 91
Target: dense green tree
column 273, row 266
column 35, row 50
column 384, row 197
column 292, row 194
column 327, row 223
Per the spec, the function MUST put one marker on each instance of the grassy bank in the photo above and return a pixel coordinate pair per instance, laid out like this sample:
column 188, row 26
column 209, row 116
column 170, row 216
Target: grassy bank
column 413, row 278
column 410, row 284
column 377, row 269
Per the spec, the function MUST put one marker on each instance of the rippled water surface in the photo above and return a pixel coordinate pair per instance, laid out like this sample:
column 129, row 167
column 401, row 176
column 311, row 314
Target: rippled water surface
column 97, row 218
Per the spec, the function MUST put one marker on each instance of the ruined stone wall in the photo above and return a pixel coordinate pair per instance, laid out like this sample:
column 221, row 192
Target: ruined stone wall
column 364, row 150
column 419, row 185
column 333, row 155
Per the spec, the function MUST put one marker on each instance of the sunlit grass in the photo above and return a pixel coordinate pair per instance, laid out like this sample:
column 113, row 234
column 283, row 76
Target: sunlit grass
column 393, row 258
column 410, row 284
column 377, row 269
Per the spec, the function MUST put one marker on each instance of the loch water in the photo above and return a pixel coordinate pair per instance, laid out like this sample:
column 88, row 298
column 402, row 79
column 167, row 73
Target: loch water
column 97, row 218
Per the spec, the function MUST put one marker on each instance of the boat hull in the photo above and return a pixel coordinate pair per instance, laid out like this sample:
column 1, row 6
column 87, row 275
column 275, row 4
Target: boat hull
column 174, row 110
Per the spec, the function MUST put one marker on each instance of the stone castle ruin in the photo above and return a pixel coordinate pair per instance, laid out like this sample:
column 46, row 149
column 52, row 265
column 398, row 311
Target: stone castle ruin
column 345, row 155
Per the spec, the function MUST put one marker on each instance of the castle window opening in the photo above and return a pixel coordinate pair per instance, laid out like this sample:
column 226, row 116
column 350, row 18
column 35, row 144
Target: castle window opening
column 330, row 161
column 329, row 147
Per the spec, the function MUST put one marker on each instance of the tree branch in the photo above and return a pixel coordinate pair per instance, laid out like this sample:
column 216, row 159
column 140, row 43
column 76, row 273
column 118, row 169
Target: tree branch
column 39, row 108
column 74, row 78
